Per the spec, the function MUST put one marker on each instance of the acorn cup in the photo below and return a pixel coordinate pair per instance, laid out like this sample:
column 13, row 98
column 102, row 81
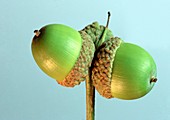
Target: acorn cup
column 63, row 53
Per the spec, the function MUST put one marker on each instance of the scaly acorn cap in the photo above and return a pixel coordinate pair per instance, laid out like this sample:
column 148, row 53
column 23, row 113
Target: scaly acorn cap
column 96, row 32
column 80, row 70
column 62, row 53
column 103, row 64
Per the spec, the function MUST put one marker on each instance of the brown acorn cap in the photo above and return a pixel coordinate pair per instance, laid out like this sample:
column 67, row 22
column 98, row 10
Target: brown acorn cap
column 81, row 67
column 102, row 66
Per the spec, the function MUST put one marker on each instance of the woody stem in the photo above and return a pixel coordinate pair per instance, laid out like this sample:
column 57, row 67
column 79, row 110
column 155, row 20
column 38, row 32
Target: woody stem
column 90, row 99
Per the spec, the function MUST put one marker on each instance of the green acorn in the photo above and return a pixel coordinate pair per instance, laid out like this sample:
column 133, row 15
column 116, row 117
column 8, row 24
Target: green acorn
column 123, row 70
column 63, row 53
column 118, row 69
column 66, row 54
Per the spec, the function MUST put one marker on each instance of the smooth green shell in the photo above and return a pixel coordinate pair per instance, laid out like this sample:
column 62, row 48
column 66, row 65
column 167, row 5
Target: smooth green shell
column 56, row 50
column 133, row 69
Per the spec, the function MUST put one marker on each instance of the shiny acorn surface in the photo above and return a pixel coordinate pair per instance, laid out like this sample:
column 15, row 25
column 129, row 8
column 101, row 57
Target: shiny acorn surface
column 55, row 48
column 134, row 72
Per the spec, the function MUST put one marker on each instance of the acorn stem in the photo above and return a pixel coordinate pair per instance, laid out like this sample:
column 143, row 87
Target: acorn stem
column 108, row 19
column 90, row 98
column 37, row 33
column 104, row 32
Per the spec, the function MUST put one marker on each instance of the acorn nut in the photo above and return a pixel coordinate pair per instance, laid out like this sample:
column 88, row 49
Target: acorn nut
column 63, row 53
column 127, row 71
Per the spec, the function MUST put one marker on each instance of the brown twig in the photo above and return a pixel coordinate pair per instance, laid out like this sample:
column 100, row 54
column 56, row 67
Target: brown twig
column 90, row 98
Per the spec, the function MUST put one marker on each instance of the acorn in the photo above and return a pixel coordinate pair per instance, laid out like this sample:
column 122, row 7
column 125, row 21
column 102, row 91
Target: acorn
column 63, row 53
column 123, row 70
column 117, row 69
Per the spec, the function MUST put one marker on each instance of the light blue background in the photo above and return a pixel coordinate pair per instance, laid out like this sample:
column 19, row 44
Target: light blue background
column 26, row 93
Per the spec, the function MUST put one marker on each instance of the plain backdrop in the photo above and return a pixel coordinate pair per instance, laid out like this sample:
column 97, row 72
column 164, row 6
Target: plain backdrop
column 26, row 93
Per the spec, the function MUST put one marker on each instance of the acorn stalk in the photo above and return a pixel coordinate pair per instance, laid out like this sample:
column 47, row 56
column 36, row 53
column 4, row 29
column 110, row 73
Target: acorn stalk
column 90, row 99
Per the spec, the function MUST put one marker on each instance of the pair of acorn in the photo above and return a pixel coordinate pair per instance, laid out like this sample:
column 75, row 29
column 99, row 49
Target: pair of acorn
column 117, row 69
